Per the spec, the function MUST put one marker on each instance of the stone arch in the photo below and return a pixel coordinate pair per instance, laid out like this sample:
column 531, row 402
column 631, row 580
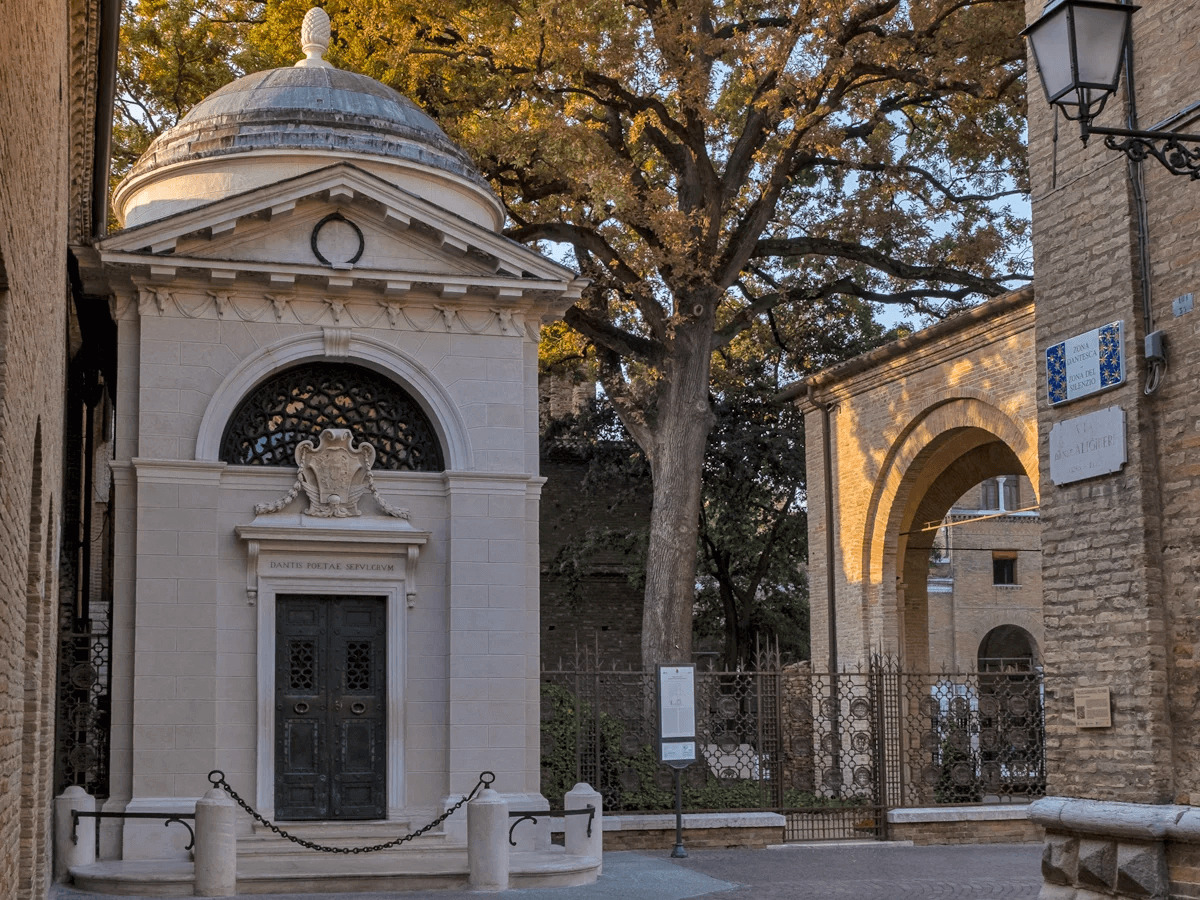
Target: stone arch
column 1008, row 642
column 947, row 448
column 366, row 351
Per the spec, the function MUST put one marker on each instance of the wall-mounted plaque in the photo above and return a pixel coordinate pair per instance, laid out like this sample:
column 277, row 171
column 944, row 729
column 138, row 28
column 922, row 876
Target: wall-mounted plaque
column 1086, row 363
column 1093, row 708
column 1087, row 446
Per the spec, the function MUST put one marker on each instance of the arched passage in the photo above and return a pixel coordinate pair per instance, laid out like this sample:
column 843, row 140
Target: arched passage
column 954, row 446
column 912, row 427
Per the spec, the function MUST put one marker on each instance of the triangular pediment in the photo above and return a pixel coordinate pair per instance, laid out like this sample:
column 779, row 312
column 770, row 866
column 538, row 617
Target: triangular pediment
column 341, row 224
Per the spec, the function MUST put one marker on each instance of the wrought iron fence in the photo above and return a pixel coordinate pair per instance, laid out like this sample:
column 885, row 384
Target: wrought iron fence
column 82, row 744
column 832, row 751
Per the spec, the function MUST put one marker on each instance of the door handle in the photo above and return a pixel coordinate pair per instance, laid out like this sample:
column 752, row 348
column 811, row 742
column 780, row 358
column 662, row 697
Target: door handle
column 358, row 708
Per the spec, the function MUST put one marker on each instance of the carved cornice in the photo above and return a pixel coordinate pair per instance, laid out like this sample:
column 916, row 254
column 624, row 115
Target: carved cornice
column 333, row 313
column 84, row 46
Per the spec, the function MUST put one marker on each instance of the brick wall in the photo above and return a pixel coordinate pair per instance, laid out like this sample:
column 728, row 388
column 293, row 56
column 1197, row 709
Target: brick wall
column 607, row 609
column 1010, row 831
column 33, row 313
column 1119, row 550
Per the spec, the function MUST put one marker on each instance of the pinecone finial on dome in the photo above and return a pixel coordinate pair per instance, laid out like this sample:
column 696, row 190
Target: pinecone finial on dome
column 314, row 38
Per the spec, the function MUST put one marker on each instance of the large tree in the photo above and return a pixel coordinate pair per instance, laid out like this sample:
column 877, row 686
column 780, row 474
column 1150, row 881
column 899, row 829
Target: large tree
column 711, row 165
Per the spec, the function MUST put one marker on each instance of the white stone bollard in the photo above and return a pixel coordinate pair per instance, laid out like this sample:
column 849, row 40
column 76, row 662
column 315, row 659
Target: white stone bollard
column 576, row 827
column 216, row 846
column 82, row 850
column 487, row 841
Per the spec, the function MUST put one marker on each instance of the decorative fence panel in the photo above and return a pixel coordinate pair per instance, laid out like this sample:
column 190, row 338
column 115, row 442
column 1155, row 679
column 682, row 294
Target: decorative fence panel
column 833, row 752
column 83, row 712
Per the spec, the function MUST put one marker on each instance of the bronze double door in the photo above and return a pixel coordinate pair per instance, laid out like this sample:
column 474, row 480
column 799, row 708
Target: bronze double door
column 330, row 707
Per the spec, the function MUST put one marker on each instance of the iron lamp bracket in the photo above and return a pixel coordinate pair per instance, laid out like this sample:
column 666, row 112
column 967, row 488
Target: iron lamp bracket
column 1178, row 153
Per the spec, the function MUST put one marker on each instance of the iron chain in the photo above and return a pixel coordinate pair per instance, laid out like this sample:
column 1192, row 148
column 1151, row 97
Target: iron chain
column 217, row 778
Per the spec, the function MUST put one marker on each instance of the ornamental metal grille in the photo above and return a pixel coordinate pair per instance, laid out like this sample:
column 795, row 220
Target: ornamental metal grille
column 833, row 752
column 83, row 711
column 301, row 675
column 358, row 665
column 296, row 405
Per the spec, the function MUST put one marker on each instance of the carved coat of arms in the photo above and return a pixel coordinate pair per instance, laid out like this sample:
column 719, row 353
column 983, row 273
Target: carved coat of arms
column 334, row 475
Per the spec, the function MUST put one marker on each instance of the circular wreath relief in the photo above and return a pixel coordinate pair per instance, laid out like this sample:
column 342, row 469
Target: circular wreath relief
column 296, row 405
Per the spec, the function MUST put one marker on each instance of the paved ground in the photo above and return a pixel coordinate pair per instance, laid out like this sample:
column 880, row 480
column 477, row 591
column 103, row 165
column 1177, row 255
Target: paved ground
column 868, row 871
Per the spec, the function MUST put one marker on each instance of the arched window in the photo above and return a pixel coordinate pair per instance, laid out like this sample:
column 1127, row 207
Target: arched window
column 297, row 404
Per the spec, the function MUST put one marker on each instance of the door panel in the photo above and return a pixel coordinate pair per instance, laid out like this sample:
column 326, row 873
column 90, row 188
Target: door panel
column 330, row 681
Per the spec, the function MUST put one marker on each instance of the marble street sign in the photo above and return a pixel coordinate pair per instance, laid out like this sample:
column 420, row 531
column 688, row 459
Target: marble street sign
column 1087, row 446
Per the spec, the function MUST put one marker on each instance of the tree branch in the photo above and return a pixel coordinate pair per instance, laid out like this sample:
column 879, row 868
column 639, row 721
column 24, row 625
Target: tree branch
column 611, row 337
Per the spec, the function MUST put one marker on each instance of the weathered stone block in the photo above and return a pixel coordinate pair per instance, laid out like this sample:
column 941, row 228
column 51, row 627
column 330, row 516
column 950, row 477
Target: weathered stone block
column 1060, row 859
column 1097, row 863
column 1057, row 892
column 1142, row 870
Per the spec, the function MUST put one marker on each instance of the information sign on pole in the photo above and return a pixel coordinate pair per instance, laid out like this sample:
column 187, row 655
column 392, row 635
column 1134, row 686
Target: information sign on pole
column 677, row 715
column 677, row 732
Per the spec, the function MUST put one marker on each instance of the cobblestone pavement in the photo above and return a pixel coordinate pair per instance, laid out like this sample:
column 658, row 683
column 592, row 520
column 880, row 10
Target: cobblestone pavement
column 874, row 872
column 795, row 872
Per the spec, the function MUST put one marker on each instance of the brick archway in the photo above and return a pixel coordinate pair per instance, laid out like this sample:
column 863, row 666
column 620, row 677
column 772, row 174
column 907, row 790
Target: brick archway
column 908, row 429
column 949, row 450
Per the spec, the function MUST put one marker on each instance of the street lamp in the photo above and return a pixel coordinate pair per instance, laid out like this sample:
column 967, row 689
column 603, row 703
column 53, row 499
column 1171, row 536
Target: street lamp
column 1078, row 47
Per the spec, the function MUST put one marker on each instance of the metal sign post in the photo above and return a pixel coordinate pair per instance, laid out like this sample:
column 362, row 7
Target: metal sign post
column 677, row 732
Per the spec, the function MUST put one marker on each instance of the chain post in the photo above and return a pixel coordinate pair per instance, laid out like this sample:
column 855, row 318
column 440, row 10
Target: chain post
column 217, row 779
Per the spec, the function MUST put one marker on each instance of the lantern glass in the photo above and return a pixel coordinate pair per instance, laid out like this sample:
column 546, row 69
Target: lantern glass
column 1078, row 46
column 1100, row 33
column 1049, row 39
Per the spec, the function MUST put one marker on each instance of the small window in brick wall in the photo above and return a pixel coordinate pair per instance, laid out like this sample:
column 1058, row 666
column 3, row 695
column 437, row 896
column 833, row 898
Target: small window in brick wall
column 1004, row 567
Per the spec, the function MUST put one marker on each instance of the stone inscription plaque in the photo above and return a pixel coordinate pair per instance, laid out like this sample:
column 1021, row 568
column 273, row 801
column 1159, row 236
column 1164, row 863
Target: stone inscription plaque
column 1093, row 708
column 298, row 566
column 1088, row 446
column 1086, row 363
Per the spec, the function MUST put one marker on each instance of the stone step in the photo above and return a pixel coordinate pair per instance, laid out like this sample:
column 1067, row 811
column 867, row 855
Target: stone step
column 335, row 873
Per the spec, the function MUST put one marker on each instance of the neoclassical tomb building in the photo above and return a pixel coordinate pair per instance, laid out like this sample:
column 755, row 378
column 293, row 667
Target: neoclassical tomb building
column 325, row 496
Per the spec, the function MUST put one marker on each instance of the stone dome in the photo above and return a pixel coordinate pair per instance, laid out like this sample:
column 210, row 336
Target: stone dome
column 279, row 123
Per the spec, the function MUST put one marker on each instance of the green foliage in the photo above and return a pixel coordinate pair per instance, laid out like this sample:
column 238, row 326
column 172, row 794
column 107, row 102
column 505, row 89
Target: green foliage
column 564, row 716
column 172, row 55
column 720, row 169
column 753, row 527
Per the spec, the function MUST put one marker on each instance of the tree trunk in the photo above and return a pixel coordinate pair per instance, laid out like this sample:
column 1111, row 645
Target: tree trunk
column 682, row 420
